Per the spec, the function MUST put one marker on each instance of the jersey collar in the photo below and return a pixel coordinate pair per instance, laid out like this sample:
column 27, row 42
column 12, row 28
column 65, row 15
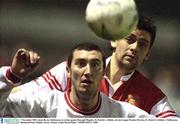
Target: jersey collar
column 78, row 110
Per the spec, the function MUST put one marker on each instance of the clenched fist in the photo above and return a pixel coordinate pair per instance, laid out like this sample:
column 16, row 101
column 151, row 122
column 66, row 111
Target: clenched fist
column 24, row 62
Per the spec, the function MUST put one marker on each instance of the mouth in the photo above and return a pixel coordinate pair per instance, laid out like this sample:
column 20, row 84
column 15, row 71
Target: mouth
column 86, row 81
column 131, row 56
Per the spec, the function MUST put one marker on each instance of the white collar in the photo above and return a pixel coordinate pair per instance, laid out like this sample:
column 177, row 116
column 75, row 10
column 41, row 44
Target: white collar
column 122, row 78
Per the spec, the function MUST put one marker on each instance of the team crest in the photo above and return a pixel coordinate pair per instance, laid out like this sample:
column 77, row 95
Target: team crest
column 133, row 99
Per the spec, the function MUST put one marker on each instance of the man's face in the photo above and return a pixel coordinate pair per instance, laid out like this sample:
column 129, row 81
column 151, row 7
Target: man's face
column 132, row 50
column 86, row 72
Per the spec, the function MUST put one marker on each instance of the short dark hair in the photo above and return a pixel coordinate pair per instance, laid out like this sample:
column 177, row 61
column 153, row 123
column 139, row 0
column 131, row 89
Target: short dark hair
column 89, row 47
column 147, row 24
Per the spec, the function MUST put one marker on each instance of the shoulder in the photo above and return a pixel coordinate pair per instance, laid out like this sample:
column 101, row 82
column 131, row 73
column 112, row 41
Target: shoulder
column 52, row 98
column 133, row 111
column 147, row 93
column 59, row 67
column 140, row 76
column 123, row 109
column 146, row 83
column 56, row 93
column 109, row 102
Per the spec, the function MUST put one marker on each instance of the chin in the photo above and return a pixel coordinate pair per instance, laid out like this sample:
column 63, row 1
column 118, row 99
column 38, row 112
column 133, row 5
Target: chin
column 84, row 90
column 130, row 65
column 85, row 95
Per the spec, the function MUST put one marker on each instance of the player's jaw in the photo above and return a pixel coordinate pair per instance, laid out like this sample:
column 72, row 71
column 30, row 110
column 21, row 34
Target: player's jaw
column 128, row 59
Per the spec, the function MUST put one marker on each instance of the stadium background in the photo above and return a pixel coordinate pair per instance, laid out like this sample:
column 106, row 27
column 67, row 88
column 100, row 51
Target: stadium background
column 53, row 27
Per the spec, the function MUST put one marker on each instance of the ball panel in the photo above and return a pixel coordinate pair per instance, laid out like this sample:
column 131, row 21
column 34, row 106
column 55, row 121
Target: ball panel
column 112, row 19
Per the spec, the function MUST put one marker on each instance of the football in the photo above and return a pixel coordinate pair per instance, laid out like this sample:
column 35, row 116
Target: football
column 111, row 19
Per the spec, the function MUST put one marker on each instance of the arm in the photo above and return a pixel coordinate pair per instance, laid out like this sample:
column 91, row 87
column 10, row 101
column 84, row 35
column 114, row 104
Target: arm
column 163, row 109
column 11, row 77
column 55, row 78
column 24, row 62
column 5, row 89
column 15, row 102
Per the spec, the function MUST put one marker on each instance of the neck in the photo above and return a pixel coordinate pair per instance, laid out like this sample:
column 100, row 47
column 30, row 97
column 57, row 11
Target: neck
column 83, row 103
column 115, row 70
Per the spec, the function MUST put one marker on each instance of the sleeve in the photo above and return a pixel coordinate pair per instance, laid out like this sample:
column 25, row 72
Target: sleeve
column 8, row 79
column 18, row 103
column 55, row 78
column 4, row 90
column 7, row 83
column 13, row 96
column 163, row 109
column 135, row 112
column 15, row 102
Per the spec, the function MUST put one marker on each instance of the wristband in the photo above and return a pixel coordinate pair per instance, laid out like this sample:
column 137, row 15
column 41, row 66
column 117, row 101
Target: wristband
column 12, row 77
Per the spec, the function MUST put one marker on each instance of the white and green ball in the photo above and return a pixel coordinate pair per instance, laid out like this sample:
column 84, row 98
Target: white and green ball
column 112, row 19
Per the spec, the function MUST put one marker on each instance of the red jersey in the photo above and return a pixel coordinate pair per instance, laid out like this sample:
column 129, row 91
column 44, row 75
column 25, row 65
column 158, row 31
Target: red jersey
column 138, row 90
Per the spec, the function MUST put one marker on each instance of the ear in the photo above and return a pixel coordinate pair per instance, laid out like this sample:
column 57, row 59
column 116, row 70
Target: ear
column 68, row 71
column 113, row 44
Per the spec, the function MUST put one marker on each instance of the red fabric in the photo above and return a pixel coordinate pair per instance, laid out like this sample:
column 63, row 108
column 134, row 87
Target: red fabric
column 104, row 87
column 10, row 76
column 137, row 90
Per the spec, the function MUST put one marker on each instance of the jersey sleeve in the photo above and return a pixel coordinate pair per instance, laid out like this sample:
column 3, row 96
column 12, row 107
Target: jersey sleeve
column 16, row 102
column 132, row 111
column 11, row 91
column 6, row 87
column 20, row 103
column 55, row 78
column 8, row 79
column 163, row 109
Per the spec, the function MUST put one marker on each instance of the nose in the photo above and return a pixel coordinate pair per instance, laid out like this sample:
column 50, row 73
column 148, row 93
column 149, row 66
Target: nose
column 134, row 47
column 87, row 69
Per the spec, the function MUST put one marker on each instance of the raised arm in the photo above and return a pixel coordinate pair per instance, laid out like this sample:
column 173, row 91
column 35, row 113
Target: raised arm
column 24, row 62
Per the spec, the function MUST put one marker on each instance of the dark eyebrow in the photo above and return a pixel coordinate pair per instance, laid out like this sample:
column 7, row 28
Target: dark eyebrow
column 147, row 41
column 96, row 59
column 132, row 35
column 80, row 59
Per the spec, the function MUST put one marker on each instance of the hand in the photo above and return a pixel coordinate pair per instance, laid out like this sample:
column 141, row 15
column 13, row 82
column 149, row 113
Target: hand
column 24, row 62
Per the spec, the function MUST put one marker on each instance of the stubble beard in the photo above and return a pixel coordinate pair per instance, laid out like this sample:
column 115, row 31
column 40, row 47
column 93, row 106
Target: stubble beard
column 127, row 65
column 86, row 95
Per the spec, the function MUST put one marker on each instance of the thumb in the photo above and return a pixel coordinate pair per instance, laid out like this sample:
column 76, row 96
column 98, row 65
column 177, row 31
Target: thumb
column 21, row 54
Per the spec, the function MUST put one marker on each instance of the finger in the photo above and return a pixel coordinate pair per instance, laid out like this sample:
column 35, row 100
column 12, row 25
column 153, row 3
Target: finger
column 20, row 53
column 23, row 55
column 26, row 57
column 34, row 65
column 34, row 57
